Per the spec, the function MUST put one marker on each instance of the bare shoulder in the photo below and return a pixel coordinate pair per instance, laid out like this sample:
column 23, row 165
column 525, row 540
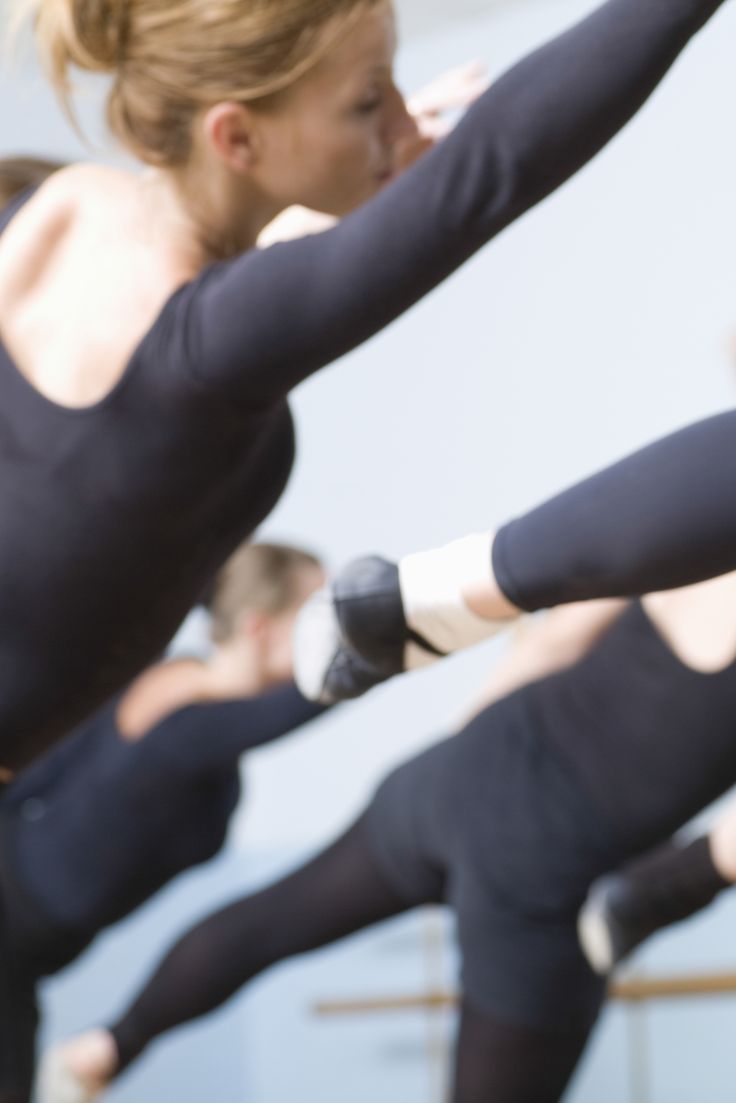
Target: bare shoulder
column 46, row 220
column 39, row 224
column 157, row 692
column 83, row 179
column 57, row 197
column 68, row 191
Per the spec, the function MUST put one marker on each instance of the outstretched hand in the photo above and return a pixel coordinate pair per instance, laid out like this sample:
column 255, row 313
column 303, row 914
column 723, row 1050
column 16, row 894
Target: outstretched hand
column 453, row 91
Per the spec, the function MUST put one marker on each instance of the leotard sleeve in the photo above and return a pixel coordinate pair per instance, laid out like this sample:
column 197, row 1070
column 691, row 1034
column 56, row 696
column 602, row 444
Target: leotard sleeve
column 201, row 738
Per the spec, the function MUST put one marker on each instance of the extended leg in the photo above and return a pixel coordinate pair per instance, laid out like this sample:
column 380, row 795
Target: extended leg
column 339, row 892
column 658, row 519
column 655, row 890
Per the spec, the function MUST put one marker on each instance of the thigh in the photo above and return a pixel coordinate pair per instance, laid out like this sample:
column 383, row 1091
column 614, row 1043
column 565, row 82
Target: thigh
column 498, row 1061
column 525, row 968
column 404, row 827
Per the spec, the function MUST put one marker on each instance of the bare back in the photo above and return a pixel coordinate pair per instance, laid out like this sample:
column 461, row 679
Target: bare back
column 698, row 622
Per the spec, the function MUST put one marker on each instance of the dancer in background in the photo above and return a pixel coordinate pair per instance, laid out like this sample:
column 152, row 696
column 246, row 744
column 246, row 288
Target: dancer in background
column 145, row 789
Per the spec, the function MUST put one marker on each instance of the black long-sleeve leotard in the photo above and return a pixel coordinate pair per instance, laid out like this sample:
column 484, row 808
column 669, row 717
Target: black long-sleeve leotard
column 115, row 516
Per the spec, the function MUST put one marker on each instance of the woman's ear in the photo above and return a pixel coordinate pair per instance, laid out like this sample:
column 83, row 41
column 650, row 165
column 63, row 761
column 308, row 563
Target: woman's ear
column 230, row 129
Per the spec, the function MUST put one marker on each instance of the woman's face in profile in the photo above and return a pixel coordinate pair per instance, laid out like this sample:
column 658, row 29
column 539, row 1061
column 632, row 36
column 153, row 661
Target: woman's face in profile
column 329, row 142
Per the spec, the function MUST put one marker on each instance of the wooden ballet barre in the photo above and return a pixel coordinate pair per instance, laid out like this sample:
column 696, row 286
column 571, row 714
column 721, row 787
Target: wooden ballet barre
column 635, row 990
column 430, row 1001
column 672, row 988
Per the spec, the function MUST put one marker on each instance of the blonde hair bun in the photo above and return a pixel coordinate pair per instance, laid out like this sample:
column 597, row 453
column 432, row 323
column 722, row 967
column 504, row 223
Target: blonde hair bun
column 172, row 58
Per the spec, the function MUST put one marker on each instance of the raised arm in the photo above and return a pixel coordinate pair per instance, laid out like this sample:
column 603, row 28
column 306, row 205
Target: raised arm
column 201, row 738
column 544, row 645
column 258, row 325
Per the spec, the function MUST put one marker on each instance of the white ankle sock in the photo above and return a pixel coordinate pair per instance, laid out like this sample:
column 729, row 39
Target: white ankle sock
column 431, row 590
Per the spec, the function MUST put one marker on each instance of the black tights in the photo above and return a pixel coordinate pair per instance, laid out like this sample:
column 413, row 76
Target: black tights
column 339, row 892
column 498, row 1062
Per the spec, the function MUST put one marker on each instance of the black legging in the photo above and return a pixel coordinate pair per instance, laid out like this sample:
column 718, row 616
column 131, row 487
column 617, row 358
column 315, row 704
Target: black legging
column 339, row 892
column 663, row 517
column 497, row 1062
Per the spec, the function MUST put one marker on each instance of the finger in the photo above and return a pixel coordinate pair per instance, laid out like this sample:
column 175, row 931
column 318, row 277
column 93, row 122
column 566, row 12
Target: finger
column 455, row 89
column 434, row 128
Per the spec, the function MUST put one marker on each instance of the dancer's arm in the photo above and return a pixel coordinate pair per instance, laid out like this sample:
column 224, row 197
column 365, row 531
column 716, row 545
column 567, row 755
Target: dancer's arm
column 546, row 645
column 206, row 737
column 257, row 325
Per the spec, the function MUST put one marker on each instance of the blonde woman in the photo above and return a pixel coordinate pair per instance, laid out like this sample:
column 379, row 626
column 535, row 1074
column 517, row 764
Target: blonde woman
column 147, row 349
column 145, row 789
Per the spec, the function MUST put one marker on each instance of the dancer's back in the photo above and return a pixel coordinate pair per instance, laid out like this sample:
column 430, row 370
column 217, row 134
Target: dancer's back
column 83, row 276
column 114, row 515
column 647, row 717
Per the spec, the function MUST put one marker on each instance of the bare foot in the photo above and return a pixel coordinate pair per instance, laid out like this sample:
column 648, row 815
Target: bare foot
column 78, row 1071
column 723, row 845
